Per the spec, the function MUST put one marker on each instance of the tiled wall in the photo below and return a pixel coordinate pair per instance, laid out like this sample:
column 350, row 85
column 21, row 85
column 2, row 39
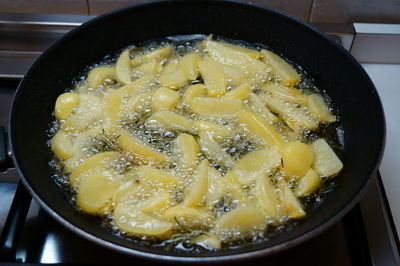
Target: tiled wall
column 317, row 11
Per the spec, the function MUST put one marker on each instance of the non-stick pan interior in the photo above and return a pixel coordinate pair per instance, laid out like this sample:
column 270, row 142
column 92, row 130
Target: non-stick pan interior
column 331, row 67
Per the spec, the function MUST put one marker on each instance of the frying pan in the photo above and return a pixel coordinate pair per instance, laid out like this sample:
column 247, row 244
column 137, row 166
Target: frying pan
column 332, row 67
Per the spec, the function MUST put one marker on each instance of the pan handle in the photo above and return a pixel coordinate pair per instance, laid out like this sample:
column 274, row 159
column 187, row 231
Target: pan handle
column 5, row 161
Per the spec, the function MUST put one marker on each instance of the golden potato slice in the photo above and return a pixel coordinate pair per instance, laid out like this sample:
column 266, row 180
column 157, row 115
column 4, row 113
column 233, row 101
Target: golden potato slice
column 286, row 93
column 153, row 67
column 65, row 105
column 123, row 68
column 189, row 215
column 297, row 158
column 207, row 240
column 260, row 129
column 326, row 162
column 213, row 151
column 140, row 85
column 96, row 190
column 255, row 163
column 197, row 190
column 214, row 79
column 89, row 112
column 133, row 221
column 128, row 191
column 164, row 99
column 157, row 177
column 101, row 160
column 267, row 196
column 197, row 90
column 99, row 75
column 217, row 186
column 295, row 118
column 289, row 203
column 157, row 203
column 308, row 184
column 234, row 76
column 216, row 131
column 258, row 107
column 112, row 109
column 229, row 54
column 156, row 55
column 188, row 150
column 141, row 152
column 281, row 68
column 61, row 145
column 173, row 80
column 206, row 106
column 138, row 102
column 241, row 92
column 241, row 219
column 318, row 108
column 169, row 120
column 189, row 65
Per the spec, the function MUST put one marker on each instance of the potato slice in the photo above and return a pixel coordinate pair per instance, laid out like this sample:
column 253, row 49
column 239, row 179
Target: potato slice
column 255, row 163
column 286, row 93
column 112, row 109
column 61, row 145
column 308, row 184
column 267, row 196
column 153, row 67
column 296, row 118
column 213, row 77
column 260, row 129
column 290, row 204
column 99, row 75
column 241, row 219
column 128, row 191
column 188, row 149
column 141, row 152
column 65, row 105
column 281, row 68
column 197, row 190
column 164, row 99
column 234, row 76
column 101, row 160
column 197, row 90
column 258, row 107
column 326, row 162
column 241, row 92
column 169, row 120
column 139, row 102
column 217, row 186
column 140, row 85
column 206, row 106
column 89, row 112
column 157, row 177
column 96, row 190
column 191, row 216
column 157, row 203
column 214, row 151
column 189, row 65
column 207, row 240
column 123, row 68
column 133, row 221
column 297, row 158
column 318, row 108
column 216, row 131
column 156, row 55
column 173, row 80
column 229, row 54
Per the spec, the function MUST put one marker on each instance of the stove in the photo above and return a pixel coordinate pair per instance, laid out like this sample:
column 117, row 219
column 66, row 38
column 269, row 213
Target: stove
column 364, row 236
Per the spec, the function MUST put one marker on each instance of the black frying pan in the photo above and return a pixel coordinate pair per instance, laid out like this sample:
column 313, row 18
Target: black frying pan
column 333, row 69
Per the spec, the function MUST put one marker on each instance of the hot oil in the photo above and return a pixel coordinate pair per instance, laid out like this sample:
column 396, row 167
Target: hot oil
column 162, row 140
